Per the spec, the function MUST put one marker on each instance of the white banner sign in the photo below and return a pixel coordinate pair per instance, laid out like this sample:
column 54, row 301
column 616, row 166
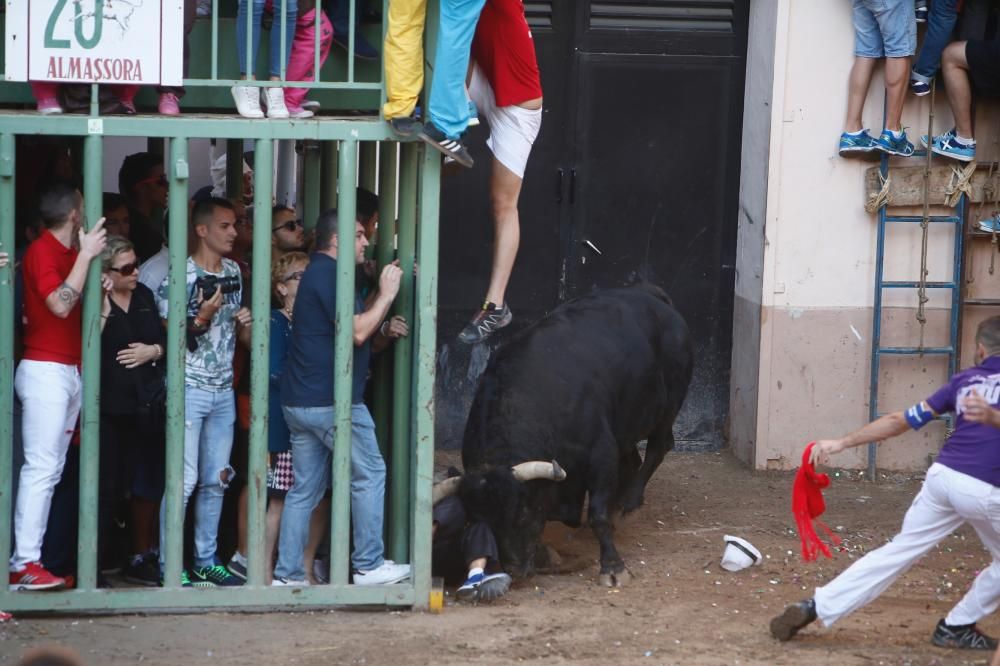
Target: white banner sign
column 95, row 41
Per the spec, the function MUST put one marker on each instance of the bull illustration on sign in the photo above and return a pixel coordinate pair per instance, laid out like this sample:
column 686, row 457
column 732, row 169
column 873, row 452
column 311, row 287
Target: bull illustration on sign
column 558, row 416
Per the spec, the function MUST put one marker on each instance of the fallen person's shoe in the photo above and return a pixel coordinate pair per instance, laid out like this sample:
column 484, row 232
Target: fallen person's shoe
column 796, row 616
column 454, row 148
column 483, row 587
column 965, row 636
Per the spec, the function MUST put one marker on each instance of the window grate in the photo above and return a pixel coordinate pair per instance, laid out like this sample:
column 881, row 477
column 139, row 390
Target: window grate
column 539, row 14
column 714, row 15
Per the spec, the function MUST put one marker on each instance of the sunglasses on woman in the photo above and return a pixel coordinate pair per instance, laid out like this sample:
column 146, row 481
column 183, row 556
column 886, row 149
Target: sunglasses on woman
column 127, row 269
column 291, row 225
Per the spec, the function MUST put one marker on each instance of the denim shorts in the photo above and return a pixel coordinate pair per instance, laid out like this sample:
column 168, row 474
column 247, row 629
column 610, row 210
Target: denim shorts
column 884, row 29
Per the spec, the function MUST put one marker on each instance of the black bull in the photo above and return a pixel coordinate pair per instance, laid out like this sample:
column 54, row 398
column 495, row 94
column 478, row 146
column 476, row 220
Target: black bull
column 583, row 386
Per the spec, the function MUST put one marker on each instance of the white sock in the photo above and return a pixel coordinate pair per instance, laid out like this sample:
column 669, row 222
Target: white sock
column 964, row 141
column 858, row 133
column 895, row 134
column 475, row 571
column 240, row 558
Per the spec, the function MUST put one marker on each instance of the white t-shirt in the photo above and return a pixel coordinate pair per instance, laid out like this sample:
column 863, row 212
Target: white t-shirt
column 154, row 270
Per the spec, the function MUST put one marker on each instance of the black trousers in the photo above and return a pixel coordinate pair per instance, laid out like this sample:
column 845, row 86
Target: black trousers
column 457, row 542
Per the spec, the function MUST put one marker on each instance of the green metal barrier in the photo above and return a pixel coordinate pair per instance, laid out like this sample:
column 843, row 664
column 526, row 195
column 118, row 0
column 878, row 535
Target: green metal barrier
column 406, row 173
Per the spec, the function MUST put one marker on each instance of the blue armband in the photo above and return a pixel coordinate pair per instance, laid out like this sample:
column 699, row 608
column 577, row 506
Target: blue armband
column 919, row 415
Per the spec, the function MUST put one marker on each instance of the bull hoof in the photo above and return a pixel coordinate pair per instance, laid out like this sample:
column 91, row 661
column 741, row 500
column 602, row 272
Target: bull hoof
column 616, row 579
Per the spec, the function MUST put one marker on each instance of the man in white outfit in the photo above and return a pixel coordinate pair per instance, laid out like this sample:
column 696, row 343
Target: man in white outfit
column 962, row 486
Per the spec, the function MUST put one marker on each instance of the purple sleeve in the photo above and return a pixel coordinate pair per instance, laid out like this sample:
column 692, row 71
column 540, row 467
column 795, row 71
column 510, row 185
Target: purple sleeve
column 942, row 401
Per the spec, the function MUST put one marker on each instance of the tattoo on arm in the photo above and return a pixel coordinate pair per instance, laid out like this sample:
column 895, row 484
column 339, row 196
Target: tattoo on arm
column 67, row 295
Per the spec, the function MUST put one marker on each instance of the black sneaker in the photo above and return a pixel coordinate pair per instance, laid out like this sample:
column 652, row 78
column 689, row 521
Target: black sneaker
column 485, row 323
column 405, row 128
column 964, row 636
column 453, row 148
column 796, row 616
column 236, row 568
column 143, row 570
column 214, row 576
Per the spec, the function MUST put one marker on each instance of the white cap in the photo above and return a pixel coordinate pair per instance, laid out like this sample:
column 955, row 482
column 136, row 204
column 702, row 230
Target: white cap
column 739, row 554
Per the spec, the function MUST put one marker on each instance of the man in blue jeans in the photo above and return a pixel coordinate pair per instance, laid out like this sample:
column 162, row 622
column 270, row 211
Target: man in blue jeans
column 941, row 23
column 307, row 403
column 448, row 110
column 882, row 29
column 215, row 320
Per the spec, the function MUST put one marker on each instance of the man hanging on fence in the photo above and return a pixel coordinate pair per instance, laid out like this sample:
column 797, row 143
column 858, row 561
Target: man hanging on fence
column 47, row 380
column 962, row 486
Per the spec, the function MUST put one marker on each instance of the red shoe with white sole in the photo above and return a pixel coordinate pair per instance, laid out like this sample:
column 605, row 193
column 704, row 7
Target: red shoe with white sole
column 34, row 577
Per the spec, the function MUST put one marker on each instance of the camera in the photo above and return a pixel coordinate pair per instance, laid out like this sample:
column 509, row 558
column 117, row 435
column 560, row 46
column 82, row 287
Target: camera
column 209, row 283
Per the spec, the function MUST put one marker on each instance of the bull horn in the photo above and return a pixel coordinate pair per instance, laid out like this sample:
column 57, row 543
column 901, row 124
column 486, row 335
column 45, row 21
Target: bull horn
column 539, row 469
column 445, row 488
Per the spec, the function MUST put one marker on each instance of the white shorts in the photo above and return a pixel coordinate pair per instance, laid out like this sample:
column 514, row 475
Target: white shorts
column 512, row 129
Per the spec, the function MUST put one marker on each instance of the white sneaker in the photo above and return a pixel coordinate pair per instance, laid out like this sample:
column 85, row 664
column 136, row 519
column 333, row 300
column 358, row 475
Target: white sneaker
column 274, row 100
column 288, row 582
column 387, row 574
column 311, row 104
column 247, row 100
column 300, row 113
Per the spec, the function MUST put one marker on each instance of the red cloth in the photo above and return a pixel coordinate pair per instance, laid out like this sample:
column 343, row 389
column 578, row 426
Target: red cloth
column 808, row 505
column 46, row 265
column 504, row 50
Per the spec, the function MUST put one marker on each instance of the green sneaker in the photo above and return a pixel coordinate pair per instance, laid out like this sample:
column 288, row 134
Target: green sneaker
column 214, row 576
column 185, row 579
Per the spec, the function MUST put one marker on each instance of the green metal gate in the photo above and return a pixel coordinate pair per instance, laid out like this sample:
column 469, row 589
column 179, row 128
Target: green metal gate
column 335, row 151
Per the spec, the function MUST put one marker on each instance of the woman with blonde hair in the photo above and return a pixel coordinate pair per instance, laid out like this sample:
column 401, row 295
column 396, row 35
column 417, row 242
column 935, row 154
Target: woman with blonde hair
column 133, row 342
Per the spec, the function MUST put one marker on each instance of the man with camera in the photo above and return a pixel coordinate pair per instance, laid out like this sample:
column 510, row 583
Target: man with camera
column 215, row 319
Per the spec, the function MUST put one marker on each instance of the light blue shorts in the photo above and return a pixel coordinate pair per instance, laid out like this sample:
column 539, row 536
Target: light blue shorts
column 884, row 28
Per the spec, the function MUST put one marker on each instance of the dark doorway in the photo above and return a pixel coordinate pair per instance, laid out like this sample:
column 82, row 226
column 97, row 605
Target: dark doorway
column 635, row 174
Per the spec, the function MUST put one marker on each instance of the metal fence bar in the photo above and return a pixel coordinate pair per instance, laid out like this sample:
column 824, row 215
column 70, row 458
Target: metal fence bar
column 350, row 41
column 251, row 56
column 310, row 184
column 283, row 38
column 424, row 364
column 328, row 176
column 318, row 30
column 90, row 417
column 7, row 211
column 340, row 515
column 399, row 481
column 259, row 362
column 215, row 39
column 177, row 238
column 385, row 248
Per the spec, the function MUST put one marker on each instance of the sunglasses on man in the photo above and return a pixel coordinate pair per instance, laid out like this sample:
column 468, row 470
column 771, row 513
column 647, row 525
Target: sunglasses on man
column 291, row 225
column 127, row 269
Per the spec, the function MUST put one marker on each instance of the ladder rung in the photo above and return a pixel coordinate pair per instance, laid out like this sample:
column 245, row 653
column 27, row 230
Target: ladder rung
column 979, row 233
column 981, row 301
column 916, row 219
column 916, row 350
column 908, row 284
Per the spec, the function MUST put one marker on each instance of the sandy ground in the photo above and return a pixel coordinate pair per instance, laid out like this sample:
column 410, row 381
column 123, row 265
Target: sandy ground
column 681, row 608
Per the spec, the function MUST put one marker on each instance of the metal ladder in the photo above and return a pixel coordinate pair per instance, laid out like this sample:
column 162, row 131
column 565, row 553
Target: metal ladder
column 951, row 350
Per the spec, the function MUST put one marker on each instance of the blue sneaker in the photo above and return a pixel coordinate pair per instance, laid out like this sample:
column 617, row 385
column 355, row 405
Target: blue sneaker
column 484, row 587
column 947, row 145
column 890, row 145
column 920, row 88
column 856, row 144
column 990, row 224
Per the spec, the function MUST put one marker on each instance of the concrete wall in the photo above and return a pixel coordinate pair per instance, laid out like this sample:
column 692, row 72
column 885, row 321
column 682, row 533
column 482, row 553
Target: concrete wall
column 812, row 301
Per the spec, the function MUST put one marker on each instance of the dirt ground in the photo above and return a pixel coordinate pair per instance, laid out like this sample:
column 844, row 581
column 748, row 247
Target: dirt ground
column 681, row 607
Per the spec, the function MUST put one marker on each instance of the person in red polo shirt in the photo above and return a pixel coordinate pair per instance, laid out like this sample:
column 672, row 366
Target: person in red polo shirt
column 506, row 88
column 47, row 380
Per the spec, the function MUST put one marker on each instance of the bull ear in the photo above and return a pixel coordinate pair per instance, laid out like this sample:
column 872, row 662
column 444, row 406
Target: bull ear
column 444, row 489
column 539, row 469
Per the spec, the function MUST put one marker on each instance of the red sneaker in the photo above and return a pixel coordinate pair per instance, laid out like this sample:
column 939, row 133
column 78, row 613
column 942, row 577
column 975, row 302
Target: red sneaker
column 34, row 577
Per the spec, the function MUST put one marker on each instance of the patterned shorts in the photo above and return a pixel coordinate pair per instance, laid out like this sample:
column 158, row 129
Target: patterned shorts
column 279, row 474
